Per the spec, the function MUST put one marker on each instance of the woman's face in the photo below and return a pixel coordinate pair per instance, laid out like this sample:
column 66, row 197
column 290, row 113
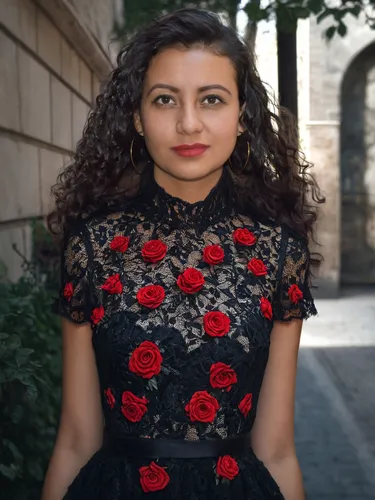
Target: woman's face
column 189, row 112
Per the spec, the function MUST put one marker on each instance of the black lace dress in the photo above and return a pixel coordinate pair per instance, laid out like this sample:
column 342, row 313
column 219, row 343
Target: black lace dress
column 181, row 298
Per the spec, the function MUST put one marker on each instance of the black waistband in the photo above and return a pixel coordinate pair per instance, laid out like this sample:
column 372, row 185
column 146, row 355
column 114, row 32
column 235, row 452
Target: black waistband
column 178, row 448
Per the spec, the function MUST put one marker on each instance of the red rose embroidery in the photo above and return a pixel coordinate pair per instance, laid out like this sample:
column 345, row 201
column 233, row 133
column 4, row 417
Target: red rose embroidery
column 97, row 315
column 110, row 398
column 227, row 467
column 133, row 407
column 202, row 407
column 153, row 477
column 113, row 285
column 257, row 267
column 213, row 255
column 120, row 243
column 222, row 376
column 191, row 280
column 216, row 324
column 154, row 251
column 68, row 291
column 266, row 308
column 146, row 360
column 295, row 294
column 151, row 296
column 246, row 404
column 244, row 237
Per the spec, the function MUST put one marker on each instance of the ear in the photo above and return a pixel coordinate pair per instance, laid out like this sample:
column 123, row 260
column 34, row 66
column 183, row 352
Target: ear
column 138, row 123
column 241, row 128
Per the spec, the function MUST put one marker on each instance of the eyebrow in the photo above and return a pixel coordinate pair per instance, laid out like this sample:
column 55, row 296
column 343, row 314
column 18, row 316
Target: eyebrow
column 176, row 90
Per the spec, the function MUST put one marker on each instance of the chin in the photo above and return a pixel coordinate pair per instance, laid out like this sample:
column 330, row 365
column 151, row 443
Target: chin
column 193, row 171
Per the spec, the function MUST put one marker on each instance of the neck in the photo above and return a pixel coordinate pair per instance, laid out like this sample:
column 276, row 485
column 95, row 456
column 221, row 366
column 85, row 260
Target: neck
column 190, row 191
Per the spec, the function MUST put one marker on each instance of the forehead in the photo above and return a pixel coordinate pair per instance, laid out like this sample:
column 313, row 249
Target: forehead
column 183, row 67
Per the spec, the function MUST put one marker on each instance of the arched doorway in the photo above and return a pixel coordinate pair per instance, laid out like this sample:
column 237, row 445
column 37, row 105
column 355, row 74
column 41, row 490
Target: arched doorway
column 357, row 162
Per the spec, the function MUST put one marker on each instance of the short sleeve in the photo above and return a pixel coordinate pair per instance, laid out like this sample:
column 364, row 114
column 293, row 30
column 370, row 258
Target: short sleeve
column 73, row 301
column 293, row 297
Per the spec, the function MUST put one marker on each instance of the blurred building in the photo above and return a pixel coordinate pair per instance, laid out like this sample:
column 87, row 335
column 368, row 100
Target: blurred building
column 53, row 54
column 337, row 126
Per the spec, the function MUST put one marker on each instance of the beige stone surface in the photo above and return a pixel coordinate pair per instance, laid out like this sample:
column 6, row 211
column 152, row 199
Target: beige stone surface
column 96, row 87
column 27, row 22
column 80, row 112
column 85, row 81
column 51, row 164
column 9, row 95
column 14, row 234
column 48, row 42
column 9, row 15
column 69, row 64
column 19, row 174
column 61, row 114
column 35, row 97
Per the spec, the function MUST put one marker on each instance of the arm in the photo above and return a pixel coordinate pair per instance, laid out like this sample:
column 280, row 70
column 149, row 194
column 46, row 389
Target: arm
column 80, row 432
column 273, row 432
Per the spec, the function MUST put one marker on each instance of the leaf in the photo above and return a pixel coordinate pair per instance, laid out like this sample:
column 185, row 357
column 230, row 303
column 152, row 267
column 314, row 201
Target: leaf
column 35, row 470
column 342, row 29
column 152, row 384
column 330, row 32
column 9, row 472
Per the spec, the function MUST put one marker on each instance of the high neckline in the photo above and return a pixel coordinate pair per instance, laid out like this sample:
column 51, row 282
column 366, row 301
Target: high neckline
column 179, row 213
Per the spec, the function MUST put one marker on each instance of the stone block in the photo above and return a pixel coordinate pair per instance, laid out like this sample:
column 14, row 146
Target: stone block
column 96, row 87
column 19, row 16
column 9, row 96
column 51, row 164
column 13, row 234
column 35, row 97
column 61, row 114
column 48, row 42
column 80, row 112
column 27, row 23
column 69, row 64
column 85, row 81
column 19, row 174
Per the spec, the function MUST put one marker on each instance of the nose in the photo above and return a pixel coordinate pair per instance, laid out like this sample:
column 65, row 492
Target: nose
column 189, row 120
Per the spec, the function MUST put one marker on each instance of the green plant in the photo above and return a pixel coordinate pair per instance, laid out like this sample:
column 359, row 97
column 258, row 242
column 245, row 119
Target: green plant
column 30, row 381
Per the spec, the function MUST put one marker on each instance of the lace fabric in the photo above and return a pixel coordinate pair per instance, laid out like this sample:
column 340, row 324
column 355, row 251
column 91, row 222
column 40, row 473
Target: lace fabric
column 181, row 299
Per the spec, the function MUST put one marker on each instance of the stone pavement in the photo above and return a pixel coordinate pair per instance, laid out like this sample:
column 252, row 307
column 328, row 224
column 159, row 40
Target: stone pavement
column 335, row 400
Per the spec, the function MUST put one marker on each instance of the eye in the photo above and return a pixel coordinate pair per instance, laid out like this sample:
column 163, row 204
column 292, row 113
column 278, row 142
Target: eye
column 213, row 99
column 163, row 99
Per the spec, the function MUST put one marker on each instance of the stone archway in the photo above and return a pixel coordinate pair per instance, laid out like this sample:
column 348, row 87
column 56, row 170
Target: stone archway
column 357, row 163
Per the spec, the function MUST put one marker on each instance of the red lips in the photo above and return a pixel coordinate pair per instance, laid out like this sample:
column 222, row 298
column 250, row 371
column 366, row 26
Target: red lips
column 190, row 150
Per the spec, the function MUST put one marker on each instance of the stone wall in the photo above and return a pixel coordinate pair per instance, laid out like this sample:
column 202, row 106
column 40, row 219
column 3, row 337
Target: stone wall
column 50, row 65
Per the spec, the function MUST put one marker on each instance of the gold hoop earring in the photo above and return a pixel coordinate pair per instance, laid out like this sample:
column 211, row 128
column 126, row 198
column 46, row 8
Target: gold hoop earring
column 246, row 162
column 131, row 157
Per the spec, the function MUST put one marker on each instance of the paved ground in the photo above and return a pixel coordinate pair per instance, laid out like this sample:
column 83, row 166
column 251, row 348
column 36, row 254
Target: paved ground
column 335, row 406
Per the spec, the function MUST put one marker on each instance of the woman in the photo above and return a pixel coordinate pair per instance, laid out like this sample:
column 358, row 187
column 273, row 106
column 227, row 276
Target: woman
column 184, row 278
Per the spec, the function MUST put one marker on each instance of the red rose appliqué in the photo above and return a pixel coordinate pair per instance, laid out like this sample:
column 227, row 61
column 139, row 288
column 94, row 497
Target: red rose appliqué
column 110, row 398
column 295, row 294
column 191, row 281
column 153, row 477
column 216, row 324
column 257, row 267
column 133, row 407
column 222, row 376
column 120, row 243
column 97, row 315
column 213, row 255
column 244, row 237
column 227, row 467
column 113, row 285
column 154, row 251
column 246, row 404
column 266, row 308
column 68, row 291
column 146, row 360
column 202, row 407
column 151, row 296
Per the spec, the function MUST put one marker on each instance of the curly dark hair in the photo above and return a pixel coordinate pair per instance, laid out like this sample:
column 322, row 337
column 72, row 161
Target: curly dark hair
column 275, row 183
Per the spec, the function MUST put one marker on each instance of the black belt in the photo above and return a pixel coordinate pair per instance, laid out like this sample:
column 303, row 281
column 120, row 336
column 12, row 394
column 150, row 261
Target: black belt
column 178, row 448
